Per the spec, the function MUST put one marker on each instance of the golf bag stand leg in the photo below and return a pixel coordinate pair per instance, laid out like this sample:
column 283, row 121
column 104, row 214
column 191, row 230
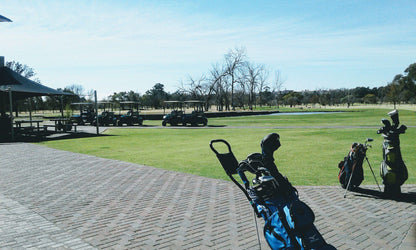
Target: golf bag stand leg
column 373, row 173
column 349, row 181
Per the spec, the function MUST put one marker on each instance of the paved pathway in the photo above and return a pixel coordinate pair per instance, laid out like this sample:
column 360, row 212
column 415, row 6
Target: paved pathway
column 56, row 199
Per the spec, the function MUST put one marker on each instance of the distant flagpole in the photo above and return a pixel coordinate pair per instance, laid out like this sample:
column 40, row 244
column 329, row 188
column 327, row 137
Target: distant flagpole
column 4, row 19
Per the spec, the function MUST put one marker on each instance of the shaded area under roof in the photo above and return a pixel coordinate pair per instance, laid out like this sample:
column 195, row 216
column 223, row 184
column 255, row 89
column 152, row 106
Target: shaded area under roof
column 22, row 87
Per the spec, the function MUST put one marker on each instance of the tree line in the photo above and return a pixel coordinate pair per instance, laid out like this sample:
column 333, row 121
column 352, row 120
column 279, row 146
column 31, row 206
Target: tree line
column 235, row 82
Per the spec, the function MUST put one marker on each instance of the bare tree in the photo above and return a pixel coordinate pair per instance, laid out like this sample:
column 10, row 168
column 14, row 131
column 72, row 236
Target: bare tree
column 251, row 76
column 234, row 59
column 277, row 85
column 76, row 89
column 200, row 89
column 217, row 83
column 22, row 69
column 263, row 75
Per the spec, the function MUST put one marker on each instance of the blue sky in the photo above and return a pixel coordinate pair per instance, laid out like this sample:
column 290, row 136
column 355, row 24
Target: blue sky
column 113, row 46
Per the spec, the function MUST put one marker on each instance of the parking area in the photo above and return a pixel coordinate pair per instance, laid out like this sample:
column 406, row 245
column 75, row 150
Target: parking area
column 56, row 199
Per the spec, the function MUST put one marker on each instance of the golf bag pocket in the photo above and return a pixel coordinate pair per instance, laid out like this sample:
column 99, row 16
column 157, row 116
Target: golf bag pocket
column 301, row 215
column 387, row 174
column 277, row 234
column 342, row 172
column 291, row 226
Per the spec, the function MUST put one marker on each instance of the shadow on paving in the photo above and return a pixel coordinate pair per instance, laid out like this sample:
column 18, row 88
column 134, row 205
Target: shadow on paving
column 53, row 137
column 409, row 197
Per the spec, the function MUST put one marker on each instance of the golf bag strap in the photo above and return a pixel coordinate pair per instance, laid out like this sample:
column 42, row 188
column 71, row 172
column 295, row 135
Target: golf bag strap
column 353, row 166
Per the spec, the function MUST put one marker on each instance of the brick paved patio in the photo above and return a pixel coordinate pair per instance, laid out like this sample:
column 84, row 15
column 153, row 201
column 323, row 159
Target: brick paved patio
column 56, row 199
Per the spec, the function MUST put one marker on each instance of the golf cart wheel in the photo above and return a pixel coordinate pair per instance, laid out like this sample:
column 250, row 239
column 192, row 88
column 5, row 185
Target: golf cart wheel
column 164, row 123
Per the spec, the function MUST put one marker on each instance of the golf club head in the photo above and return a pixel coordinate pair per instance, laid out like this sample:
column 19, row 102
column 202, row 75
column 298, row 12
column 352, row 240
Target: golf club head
column 370, row 139
column 402, row 129
column 394, row 115
column 270, row 143
column 386, row 123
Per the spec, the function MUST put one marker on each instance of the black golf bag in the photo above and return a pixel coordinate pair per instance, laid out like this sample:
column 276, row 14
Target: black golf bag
column 288, row 220
column 393, row 171
column 352, row 165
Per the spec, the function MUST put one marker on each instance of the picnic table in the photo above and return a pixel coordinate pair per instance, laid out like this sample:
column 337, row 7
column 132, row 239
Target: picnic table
column 62, row 123
column 20, row 122
column 24, row 130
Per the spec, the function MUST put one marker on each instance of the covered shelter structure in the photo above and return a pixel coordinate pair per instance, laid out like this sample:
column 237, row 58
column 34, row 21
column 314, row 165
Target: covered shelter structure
column 4, row 19
column 14, row 86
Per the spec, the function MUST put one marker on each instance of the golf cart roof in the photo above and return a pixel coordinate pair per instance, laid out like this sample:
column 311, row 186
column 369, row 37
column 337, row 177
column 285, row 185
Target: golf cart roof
column 194, row 101
column 129, row 105
column 129, row 102
column 105, row 104
column 82, row 103
column 173, row 101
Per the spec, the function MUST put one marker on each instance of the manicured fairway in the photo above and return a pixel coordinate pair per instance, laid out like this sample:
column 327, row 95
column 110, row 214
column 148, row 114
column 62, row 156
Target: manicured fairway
column 312, row 145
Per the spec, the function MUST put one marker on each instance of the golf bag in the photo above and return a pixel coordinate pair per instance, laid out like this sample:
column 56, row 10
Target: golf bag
column 352, row 165
column 288, row 220
column 393, row 171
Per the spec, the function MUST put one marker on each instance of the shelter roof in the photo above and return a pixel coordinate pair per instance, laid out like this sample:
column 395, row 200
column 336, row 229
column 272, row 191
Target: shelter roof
column 23, row 87
column 4, row 19
column 82, row 103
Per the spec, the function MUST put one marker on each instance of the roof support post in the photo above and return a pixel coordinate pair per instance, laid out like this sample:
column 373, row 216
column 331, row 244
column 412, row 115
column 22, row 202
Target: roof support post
column 11, row 114
column 96, row 111
column 62, row 105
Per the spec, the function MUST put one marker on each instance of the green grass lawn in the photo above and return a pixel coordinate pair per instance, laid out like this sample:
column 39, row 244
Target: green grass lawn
column 308, row 156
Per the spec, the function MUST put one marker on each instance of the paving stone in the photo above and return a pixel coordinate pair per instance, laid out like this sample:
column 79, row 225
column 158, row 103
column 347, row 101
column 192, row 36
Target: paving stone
column 55, row 199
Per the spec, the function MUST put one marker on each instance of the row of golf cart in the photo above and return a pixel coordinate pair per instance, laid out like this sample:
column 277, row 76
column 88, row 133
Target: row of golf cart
column 106, row 118
column 178, row 116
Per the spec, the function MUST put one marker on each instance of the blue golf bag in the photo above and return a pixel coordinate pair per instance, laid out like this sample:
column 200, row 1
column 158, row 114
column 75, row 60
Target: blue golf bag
column 288, row 220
